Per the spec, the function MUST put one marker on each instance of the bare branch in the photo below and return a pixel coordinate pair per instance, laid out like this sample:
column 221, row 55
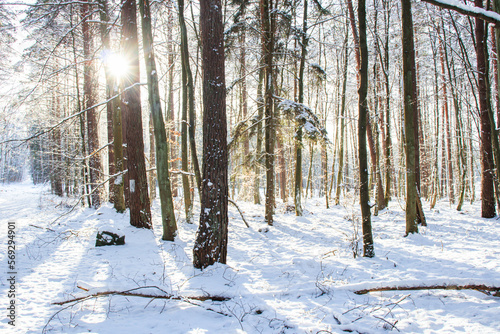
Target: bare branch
column 241, row 213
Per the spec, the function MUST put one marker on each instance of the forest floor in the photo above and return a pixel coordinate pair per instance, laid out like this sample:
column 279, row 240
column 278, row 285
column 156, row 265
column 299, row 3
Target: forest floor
column 298, row 276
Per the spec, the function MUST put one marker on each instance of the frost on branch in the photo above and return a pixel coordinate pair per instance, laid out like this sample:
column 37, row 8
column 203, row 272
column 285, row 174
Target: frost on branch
column 305, row 117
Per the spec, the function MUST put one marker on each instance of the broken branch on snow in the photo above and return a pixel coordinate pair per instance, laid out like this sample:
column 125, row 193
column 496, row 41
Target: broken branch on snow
column 132, row 293
column 478, row 287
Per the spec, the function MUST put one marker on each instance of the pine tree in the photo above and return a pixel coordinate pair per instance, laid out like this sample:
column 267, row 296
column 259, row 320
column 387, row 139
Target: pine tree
column 211, row 238
column 140, row 211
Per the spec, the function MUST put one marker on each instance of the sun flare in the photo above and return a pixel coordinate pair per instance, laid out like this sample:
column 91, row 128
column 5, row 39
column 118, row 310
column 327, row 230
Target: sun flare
column 118, row 65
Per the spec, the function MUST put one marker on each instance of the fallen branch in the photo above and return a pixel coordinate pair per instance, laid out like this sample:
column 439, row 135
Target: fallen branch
column 393, row 325
column 241, row 213
column 131, row 293
column 42, row 228
column 478, row 287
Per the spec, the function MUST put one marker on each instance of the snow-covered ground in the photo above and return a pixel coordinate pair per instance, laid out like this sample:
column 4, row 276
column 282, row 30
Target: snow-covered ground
column 298, row 276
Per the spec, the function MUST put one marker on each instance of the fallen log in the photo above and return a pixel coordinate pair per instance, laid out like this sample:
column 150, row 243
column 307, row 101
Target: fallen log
column 489, row 290
column 132, row 293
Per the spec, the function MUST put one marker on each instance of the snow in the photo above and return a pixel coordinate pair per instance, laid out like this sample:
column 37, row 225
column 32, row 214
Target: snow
column 471, row 9
column 298, row 276
column 118, row 180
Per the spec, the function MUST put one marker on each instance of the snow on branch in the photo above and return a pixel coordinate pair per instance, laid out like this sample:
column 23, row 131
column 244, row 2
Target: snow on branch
column 479, row 13
column 305, row 117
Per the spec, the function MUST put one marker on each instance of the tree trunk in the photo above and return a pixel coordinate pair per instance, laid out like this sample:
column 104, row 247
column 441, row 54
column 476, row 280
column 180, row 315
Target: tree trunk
column 152, row 152
column 90, row 99
column 388, row 138
column 84, row 170
column 106, row 44
column 487, row 192
column 160, row 135
column 364, row 192
column 379, row 191
column 211, row 238
column 190, row 94
column 170, row 103
column 119, row 199
column 258, row 148
column 298, row 133
column 451, row 188
column 188, row 204
column 409, row 116
column 267, row 19
column 140, row 211
column 244, row 93
column 342, row 121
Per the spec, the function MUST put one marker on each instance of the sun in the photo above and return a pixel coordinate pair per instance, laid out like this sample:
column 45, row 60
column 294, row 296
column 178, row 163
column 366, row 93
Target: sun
column 118, row 65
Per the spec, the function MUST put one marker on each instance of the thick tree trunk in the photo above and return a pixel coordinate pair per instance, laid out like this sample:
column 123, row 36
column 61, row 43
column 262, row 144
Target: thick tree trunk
column 160, row 135
column 211, row 238
column 409, row 116
column 140, row 211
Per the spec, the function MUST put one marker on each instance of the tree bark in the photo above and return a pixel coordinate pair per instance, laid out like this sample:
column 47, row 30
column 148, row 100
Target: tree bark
column 451, row 188
column 119, row 199
column 188, row 198
column 266, row 8
column 106, row 44
column 258, row 148
column 140, row 211
column 189, row 86
column 298, row 133
column 364, row 191
column 342, row 120
column 170, row 103
column 211, row 238
column 90, row 99
column 487, row 192
column 160, row 135
column 409, row 116
column 388, row 138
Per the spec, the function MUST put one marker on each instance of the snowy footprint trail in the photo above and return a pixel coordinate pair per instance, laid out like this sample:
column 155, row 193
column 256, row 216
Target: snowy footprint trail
column 298, row 276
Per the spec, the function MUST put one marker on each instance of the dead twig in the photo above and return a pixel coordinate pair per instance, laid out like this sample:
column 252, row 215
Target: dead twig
column 393, row 325
column 241, row 213
column 42, row 228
